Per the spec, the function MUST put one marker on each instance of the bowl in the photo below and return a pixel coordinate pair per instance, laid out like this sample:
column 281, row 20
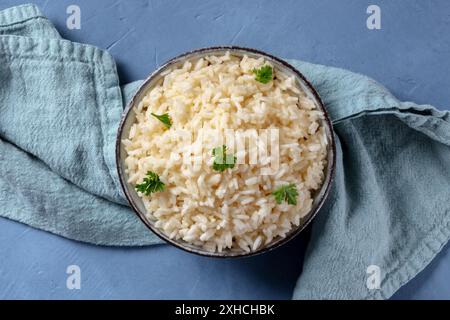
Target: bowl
column 128, row 118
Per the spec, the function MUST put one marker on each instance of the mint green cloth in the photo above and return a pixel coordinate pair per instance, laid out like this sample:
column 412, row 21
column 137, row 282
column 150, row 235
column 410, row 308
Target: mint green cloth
column 60, row 108
column 60, row 105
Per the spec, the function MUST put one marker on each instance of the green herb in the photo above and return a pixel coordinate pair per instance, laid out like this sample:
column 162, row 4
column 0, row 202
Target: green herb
column 287, row 193
column 263, row 74
column 164, row 118
column 223, row 161
column 151, row 184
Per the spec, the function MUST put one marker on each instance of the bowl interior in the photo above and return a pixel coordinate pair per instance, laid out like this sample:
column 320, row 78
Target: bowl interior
column 129, row 117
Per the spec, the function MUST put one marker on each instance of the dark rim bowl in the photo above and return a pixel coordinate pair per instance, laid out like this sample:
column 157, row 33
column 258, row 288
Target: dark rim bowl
column 128, row 118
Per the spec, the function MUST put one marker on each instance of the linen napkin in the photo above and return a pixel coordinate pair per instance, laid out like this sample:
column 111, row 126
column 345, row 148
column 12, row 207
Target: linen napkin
column 60, row 105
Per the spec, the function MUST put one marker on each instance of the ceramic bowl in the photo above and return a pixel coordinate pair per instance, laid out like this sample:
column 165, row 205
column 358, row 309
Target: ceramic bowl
column 129, row 116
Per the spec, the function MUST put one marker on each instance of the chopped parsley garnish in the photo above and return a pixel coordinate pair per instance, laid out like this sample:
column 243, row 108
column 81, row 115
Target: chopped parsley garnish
column 151, row 184
column 287, row 193
column 263, row 74
column 164, row 118
column 222, row 160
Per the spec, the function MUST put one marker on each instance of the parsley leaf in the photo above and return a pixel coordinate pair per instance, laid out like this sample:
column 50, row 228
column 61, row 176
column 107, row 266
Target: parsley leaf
column 263, row 74
column 222, row 161
column 164, row 118
column 151, row 184
column 287, row 193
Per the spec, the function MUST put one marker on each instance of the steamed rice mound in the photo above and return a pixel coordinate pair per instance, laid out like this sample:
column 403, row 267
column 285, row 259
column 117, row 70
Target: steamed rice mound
column 233, row 209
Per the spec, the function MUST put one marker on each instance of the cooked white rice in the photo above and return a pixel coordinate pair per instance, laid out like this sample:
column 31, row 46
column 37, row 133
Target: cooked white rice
column 234, row 209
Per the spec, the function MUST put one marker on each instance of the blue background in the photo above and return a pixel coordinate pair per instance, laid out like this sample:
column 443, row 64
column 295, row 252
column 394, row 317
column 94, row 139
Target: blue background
column 409, row 55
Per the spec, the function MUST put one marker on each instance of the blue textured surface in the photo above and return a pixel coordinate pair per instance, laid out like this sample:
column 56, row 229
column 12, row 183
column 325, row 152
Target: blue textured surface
column 409, row 55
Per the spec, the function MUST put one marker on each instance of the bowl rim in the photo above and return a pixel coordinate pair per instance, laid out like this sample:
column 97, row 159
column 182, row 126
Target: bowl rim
column 310, row 216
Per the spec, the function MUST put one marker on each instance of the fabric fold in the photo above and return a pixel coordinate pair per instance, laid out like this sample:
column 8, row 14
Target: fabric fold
column 61, row 102
column 26, row 20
